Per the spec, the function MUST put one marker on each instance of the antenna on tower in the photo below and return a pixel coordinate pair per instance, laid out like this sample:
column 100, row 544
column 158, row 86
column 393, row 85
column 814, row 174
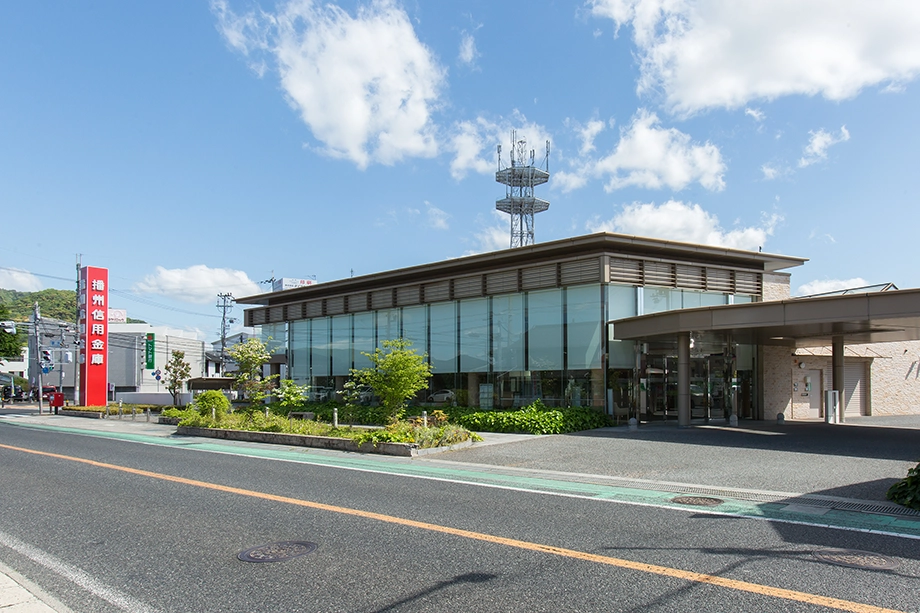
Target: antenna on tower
column 519, row 179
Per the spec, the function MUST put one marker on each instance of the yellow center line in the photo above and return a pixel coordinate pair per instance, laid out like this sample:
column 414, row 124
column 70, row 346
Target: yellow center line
column 665, row 571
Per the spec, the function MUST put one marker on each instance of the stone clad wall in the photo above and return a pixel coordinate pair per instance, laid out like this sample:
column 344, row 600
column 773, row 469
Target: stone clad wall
column 776, row 286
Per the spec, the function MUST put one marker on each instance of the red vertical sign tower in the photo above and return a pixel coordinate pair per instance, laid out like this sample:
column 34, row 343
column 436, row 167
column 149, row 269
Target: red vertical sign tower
column 94, row 336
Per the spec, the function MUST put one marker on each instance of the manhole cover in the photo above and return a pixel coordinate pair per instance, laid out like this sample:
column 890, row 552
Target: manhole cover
column 277, row 552
column 856, row 559
column 698, row 501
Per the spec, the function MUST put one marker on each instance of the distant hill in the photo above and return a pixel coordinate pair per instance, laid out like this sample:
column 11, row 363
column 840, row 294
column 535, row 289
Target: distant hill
column 55, row 303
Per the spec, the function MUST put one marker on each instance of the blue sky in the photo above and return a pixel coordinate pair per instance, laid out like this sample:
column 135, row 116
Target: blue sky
column 196, row 147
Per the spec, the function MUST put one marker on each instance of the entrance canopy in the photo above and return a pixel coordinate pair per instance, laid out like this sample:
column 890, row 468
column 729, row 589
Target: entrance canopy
column 805, row 322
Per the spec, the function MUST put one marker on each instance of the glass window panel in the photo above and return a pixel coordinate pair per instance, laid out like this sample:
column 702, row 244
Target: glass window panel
column 474, row 335
column 415, row 327
column 508, row 333
column 341, row 345
column 691, row 299
column 443, row 329
column 743, row 298
column 713, row 299
column 387, row 325
column 621, row 301
column 544, row 330
column 274, row 337
column 300, row 351
column 621, row 354
column 659, row 299
column 364, row 338
column 319, row 346
column 583, row 331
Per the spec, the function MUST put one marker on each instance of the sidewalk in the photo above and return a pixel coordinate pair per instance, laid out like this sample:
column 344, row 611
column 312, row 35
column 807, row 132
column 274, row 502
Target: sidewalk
column 18, row 595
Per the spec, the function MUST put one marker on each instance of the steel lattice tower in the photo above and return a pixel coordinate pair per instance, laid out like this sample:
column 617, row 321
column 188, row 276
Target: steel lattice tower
column 519, row 180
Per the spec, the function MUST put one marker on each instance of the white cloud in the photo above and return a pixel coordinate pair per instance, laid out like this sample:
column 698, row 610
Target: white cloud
column 198, row 283
column 756, row 114
column 821, row 286
column 654, row 157
column 474, row 143
column 437, row 218
column 588, row 133
column 711, row 53
column 364, row 85
column 19, row 280
column 678, row 221
column 492, row 235
column 770, row 172
column 819, row 143
column 468, row 52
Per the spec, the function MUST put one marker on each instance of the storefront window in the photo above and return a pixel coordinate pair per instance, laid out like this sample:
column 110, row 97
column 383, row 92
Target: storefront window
column 443, row 330
column 508, row 333
column 364, row 338
column 583, row 329
column 544, row 327
column 415, row 327
column 319, row 345
column 341, row 345
column 299, row 367
column 387, row 326
column 474, row 335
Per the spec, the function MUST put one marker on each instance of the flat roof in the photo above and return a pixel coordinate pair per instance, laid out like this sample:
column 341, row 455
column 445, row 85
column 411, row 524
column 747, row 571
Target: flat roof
column 601, row 242
column 798, row 322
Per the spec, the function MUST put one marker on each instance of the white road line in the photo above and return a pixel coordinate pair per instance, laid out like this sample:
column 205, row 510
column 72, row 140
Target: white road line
column 75, row 575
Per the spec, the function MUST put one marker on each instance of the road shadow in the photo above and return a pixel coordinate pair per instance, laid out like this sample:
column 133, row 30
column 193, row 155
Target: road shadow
column 885, row 443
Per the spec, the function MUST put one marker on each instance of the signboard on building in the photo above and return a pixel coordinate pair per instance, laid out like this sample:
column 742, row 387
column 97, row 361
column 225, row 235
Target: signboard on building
column 94, row 335
column 118, row 316
column 288, row 283
column 150, row 349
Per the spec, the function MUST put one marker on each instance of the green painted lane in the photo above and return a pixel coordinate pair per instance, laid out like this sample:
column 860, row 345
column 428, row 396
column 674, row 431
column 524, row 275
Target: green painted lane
column 517, row 479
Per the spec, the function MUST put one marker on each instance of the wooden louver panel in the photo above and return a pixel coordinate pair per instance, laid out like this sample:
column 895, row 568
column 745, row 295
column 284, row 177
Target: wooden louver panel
column 504, row 282
column 659, row 273
column 580, row 271
column 538, row 277
column 335, row 306
column 468, row 287
column 408, row 295
column 626, row 271
column 382, row 299
column 275, row 314
column 437, row 292
column 257, row 316
column 718, row 280
column 356, row 302
column 314, row 308
column 690, row 277
column 747, row 283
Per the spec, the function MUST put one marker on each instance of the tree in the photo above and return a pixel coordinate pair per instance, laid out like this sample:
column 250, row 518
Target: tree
column 177, row 372
column 396, row 375
column 250, row 357
column 10, row 342
column 291, row 395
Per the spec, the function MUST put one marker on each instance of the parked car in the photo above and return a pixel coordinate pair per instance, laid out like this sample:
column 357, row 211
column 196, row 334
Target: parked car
column 47, row 390
column 442, row 396
column 13, row 393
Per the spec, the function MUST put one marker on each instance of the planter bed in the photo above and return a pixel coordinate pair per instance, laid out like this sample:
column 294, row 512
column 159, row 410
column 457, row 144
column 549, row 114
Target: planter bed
column 407, row 450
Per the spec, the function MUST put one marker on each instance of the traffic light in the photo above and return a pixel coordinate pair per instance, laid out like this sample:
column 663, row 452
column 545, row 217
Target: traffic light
column 47, row 360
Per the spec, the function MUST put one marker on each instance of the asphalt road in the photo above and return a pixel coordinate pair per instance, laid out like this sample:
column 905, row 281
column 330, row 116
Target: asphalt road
column 146, row 527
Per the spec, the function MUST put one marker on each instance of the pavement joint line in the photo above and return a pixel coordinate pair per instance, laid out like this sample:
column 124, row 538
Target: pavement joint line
column 751, row 504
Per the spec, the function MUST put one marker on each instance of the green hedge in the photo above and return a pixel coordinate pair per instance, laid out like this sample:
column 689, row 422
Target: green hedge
column 907, row 490
column 535, row 419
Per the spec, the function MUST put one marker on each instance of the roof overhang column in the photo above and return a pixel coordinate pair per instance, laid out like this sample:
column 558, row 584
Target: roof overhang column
column 838, row 376
column 683, row 380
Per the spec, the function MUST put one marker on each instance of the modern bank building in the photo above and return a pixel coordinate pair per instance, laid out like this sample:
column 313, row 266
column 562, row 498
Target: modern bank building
column 636, row 327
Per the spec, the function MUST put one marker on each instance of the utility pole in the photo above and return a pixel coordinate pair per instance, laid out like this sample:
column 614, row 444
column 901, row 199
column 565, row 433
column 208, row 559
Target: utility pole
column 36, row 317
column 224, row 305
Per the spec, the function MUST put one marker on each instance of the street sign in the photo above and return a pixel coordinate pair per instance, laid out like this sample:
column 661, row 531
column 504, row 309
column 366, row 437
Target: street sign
column 150, row 351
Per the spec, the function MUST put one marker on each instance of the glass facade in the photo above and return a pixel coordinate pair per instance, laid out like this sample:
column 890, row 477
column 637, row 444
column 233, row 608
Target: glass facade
column 507, row 350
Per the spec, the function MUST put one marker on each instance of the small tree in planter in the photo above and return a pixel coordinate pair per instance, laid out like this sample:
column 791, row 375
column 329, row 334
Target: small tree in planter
column 396, row 375
column 177, row 372
column 292, row 396
column 250, row 357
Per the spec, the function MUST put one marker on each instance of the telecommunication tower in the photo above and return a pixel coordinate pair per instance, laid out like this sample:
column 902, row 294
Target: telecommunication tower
column 519, row 180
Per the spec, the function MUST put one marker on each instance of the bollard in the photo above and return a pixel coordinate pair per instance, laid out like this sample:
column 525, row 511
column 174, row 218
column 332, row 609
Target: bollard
column 633, row 423
column 780, row 419
column 214, row 413
column 120, row 414
column 733, row 420
column 335, row 418
column 425, row 419
column 148, row 414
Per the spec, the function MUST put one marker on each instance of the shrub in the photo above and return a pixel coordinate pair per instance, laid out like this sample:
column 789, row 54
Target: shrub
column 212, row 403
column 907, row 491
column 535, row 419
